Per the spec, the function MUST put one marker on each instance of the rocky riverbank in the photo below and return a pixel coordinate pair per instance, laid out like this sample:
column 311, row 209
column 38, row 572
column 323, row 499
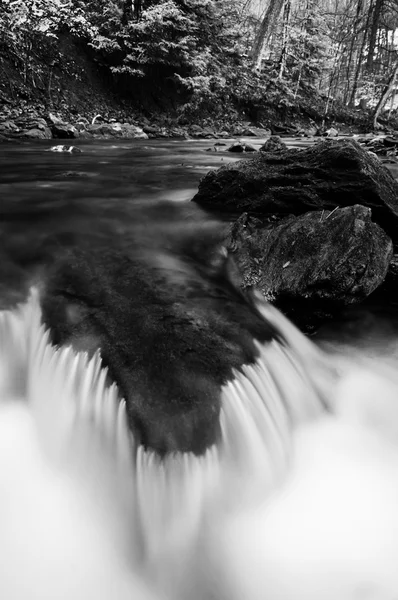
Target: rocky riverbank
column 38, row 123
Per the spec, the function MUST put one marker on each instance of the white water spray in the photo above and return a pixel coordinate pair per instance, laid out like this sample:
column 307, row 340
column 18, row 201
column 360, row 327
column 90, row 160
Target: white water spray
column 294, row 503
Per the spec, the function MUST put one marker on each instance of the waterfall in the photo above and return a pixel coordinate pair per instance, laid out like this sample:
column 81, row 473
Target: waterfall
column 298, row 499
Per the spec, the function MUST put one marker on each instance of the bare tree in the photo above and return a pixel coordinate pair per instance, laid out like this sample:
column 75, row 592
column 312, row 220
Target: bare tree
column 386, row 93
column 376, row 11
column 267, row 26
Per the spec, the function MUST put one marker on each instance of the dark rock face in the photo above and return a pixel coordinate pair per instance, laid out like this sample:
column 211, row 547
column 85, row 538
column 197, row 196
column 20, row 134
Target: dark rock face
column 241, row 147
column 162, row 302
column 328, row 175
column 273, row 144
column 339, row 256
column 64, row 131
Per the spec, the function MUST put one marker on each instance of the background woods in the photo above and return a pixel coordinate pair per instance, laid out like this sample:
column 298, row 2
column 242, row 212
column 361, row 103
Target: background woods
column 198, row 59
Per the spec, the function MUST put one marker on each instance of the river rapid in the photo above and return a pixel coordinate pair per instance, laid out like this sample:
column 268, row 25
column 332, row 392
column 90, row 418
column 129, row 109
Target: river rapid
column 296, row 501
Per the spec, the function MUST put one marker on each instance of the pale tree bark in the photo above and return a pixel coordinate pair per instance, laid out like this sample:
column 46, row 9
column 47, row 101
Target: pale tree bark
column 384, row 97
column 285, row 38
column 359, row 60
column 266, row 29
column 376, row 14
column 353, row 47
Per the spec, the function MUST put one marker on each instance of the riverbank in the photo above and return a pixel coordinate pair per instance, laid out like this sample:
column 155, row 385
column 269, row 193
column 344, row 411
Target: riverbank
column 75, row 98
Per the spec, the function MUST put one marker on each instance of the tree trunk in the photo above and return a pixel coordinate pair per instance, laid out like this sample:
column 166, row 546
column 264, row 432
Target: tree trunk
column 352, row 47
column 264, row 33
column 285, row 39
column 127, row 13
column 373, row 32
column 384, row 97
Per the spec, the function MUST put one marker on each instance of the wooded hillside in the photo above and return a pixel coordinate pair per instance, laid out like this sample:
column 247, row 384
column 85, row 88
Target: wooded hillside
column 210, row 58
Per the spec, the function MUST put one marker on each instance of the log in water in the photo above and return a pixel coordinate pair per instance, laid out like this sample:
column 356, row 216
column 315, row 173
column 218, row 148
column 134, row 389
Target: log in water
column 297, row 501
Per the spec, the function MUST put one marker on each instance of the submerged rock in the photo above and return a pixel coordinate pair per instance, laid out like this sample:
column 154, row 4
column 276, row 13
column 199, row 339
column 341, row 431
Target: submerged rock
column 329, row 175
column 241, row 147
column 339, row 256
column 162, row 302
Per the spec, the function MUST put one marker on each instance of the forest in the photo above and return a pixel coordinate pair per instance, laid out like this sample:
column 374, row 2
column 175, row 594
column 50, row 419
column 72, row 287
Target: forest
column 205, row 61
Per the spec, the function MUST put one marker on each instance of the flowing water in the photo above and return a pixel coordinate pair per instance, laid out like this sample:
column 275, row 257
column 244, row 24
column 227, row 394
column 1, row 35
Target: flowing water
column 299, row 498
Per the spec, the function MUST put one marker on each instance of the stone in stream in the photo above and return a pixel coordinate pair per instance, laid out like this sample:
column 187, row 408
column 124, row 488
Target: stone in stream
column 329, row 175
column 340, row 256
column 162, row 301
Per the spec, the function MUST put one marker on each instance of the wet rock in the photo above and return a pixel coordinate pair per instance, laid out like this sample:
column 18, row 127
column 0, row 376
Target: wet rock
column 249, row 132
column 68, row 149
column 273, row 144
column 329, row 175
column 121, row 130
column 177, row 132
column 202, row 132
column 38, row 134
column 331, row 132
column 340, row 256
column 159, row 301
column 150, row 130
column 54, row 119
column 8, row 127
column 283, row 130
column 64, row 131
column 241, row 147
column 391, row 142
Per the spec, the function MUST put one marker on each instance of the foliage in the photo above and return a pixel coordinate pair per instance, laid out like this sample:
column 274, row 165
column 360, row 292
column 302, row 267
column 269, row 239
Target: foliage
column 337, row 51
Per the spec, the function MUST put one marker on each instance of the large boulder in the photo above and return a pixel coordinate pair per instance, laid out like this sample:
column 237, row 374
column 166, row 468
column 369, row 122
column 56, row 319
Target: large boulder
column 290, row 181
column 339, row 256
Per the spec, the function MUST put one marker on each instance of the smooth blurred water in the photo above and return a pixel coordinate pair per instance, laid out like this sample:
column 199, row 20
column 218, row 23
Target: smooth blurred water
column 298, row 501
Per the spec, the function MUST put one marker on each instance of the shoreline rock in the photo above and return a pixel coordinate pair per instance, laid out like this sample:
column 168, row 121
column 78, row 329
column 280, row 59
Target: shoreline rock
column 285, row 181
column 337, row 256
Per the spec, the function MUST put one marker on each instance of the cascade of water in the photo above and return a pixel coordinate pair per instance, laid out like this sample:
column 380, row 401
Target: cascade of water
column 67, row 509
column 298, row 500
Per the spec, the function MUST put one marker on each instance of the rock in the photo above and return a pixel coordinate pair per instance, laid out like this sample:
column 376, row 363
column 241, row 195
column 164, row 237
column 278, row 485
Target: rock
column 331, row 132
column 283, row 130
column 122, row 130
column 69, row 149
column 158, row 298
column 196, row 128
column 312, row 131
column 249, row 133
column 390, row 142
column 236, row 147
column 241, row 147
column 8, row 126
column 64, row 131
column 273, row 144
column 54, row 120
column 39, row 134
column 325, row 176
column 177, row 132
column 134, row 132
column 340, row 256
column 150, row 129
